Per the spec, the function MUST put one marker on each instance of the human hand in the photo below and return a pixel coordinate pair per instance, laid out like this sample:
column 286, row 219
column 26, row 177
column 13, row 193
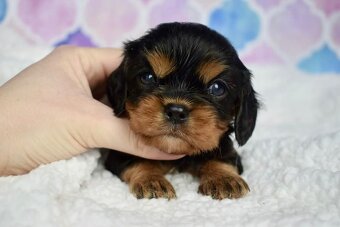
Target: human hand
column 48, row 113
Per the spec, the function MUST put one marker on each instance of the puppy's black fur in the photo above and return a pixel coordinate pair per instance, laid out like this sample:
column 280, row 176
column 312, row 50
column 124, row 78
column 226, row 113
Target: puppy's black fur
column 187, row 50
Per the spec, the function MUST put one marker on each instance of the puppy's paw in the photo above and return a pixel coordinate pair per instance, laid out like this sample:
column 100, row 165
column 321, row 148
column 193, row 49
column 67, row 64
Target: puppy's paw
column 228, row 186
column 152, row 187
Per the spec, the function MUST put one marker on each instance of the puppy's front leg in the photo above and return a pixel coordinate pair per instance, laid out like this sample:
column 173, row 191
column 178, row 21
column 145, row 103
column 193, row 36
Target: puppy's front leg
column 221, row 180
column 146, row 180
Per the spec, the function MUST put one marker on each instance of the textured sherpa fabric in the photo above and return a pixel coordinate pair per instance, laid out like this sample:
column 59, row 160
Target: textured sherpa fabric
column 292, row 165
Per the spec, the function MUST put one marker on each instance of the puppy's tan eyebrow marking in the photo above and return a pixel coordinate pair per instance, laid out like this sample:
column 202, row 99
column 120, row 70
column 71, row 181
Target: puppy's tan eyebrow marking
column 183, row 102
column 161, row 64
column 209, row 69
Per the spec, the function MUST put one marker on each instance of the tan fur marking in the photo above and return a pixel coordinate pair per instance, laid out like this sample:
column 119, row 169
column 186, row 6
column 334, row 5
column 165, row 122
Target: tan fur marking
column 202, row 131
column 186, row 103
column 208, row 70
column 211, row 168
column 146, row 180
column 161, row 64
column 220, row 180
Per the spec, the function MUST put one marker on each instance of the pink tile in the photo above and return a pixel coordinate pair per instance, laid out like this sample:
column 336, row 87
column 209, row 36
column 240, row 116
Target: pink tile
column 329, row 7
column 174, row 10
column 262, row 53
column 268, row 4
column 110, row 20
column 295, row 30
column 48, row 19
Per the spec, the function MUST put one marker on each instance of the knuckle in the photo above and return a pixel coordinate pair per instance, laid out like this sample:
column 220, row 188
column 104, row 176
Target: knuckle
column 72, row 52
column 65, row 49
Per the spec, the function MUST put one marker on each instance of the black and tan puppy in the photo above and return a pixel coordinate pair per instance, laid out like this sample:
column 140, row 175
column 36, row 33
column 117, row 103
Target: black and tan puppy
column 184, row 90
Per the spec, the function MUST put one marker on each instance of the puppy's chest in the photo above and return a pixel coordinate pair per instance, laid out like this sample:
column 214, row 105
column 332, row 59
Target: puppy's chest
column 189, row 164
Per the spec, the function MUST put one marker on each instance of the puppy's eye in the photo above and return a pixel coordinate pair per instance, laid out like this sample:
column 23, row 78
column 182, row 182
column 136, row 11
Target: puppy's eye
column 148, row 79
column 218, row 88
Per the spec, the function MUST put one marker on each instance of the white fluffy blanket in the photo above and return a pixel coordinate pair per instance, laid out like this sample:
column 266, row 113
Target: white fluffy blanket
column 292, row 164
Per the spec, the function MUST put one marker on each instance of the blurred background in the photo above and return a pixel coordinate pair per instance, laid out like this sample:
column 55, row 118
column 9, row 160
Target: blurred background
column 303, row 34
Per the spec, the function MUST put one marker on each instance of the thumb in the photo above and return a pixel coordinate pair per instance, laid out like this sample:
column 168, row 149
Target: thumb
column 111, row 132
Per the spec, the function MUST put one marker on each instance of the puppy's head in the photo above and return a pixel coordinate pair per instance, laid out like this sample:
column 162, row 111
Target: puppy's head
column 183, row 86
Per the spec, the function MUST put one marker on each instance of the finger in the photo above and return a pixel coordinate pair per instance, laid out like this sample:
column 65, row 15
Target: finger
column 154, row 153
column 90, row 65
column 99, row 63
column 106, row 130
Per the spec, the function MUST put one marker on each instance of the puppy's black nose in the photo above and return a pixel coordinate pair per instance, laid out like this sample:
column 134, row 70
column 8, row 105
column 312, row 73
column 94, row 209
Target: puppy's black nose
column 176, row 113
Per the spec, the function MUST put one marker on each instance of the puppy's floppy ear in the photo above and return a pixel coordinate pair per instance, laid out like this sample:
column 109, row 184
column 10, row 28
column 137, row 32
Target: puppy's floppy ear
column 246, row 115
column 117, row 90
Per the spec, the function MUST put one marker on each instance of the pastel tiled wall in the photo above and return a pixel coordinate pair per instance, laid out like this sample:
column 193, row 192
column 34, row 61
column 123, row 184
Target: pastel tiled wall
column 301, row 33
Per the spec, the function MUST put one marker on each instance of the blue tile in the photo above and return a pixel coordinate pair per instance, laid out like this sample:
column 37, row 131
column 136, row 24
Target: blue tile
column 323, row 60
column 77, row 38
column 236, row 21
column 3, row 9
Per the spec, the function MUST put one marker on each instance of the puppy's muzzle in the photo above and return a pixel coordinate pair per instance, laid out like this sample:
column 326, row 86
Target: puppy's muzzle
column 176, row 113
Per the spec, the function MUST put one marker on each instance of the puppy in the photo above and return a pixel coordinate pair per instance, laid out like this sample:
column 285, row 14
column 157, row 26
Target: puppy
column 184, row 90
